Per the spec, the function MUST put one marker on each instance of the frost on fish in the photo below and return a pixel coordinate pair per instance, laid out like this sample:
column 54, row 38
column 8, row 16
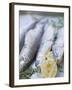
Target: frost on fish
column 46, row 44
column 44, row 20
column 41, row 36
column 58, row 47
column 27, row 22
column 31, row 44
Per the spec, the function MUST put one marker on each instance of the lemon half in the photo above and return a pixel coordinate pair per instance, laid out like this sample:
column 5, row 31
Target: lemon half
column 49, row 66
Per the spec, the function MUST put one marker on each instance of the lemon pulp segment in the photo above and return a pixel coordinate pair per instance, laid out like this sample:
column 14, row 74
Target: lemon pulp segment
column 49, row 66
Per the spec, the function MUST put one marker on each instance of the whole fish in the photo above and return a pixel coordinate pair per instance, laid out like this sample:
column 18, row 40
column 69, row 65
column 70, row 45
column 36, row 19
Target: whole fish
column 32, row 41
column 58, row 47
column 46, row 43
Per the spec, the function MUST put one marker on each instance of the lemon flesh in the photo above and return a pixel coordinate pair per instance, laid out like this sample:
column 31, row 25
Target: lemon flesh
column 49, row 66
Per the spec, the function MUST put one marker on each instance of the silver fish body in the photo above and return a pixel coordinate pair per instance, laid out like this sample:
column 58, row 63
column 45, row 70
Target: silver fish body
column 46, row 44
column 58, row 47
column 27, row 22
column 31, row 44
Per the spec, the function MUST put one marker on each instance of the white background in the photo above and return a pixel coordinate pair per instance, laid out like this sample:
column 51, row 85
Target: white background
column 4, row 44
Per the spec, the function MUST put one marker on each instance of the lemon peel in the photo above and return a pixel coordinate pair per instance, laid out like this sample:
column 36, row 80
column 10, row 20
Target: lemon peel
column 49, row 66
